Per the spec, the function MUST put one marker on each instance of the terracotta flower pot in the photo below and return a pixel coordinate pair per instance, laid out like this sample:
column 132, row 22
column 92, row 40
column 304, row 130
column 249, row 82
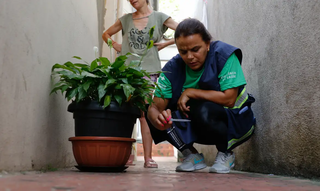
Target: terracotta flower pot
column 105, row 152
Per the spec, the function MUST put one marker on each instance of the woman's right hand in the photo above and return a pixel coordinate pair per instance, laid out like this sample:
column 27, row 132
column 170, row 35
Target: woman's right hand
column 117, row 46
column 163, row 120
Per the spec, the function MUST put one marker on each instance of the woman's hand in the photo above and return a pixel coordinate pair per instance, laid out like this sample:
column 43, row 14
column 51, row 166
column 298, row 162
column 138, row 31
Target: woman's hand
column 158, row 115
column 117, row 46
column 163, row 120
column 182, row 102
column 160, row 46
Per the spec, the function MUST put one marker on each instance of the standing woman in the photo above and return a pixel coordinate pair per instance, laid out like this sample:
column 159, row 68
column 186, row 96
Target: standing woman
column 135, row 36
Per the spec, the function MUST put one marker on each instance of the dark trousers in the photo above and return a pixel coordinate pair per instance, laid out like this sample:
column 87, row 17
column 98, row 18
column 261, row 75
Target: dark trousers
column 209, row 122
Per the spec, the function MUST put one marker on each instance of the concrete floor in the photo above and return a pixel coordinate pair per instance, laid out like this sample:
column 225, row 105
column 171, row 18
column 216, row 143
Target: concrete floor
column 138, row 178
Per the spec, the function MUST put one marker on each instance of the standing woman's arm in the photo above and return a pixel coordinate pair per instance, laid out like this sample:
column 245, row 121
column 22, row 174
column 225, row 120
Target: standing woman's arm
column 170, row 23
column 116, row 27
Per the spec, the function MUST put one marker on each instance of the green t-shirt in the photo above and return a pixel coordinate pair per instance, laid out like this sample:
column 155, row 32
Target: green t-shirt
column 231, row 76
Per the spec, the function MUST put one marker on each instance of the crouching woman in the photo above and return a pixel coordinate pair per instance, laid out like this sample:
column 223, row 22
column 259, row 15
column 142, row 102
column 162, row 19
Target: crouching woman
column 205, row 84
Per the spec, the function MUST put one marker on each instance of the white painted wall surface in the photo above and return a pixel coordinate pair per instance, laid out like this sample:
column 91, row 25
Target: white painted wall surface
column 34, row 35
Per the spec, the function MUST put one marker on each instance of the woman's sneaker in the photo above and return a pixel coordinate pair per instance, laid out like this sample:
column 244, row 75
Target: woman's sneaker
column 223, row 163
column 191, row 163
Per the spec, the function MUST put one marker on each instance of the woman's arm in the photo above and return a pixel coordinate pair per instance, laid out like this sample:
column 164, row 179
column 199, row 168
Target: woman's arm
column 158, row 116
column 226, row 98
column 170, row 23
column 116, row 27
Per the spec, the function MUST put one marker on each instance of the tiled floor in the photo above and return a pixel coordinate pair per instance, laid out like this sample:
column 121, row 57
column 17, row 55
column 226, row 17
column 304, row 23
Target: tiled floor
column 164, row 178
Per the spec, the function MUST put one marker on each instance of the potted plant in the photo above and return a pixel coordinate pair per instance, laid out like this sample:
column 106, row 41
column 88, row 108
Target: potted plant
column 107, row 98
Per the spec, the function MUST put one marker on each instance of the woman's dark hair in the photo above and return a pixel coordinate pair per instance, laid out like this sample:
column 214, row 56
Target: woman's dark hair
column 191, row 26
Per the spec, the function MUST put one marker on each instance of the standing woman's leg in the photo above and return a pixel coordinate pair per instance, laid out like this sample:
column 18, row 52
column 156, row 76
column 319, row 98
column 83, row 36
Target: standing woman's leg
column 147, row 138
column 147, row 144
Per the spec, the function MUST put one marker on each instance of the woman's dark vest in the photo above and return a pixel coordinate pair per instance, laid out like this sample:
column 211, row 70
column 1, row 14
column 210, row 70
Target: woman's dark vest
column 240, row 118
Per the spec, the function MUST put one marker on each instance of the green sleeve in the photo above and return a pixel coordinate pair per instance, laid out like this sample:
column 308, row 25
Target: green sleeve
column 124, row 21
column 231, row 75
column 165, row 87
column 162, row 18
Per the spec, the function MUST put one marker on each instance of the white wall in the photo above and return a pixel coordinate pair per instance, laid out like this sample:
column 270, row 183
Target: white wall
column 280, row 41
column 34, row 35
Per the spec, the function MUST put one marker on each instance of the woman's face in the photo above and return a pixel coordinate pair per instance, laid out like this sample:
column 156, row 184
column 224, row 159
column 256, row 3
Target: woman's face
column 193, row 50
column 137, row 3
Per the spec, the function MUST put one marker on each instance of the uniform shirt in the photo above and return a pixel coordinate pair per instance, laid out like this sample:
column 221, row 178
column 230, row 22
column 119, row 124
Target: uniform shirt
column 231, row 76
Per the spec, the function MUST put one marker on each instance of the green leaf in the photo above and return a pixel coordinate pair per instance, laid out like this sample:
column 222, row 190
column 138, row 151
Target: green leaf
column 151, row 31
column 61, row 67
column 135, row 72
column 139, row 68
column 109, row 43
column 150, row 44
column 101, row 91
column 77, row 57
column 136, row 55
column 69, row 75
column 104, row 61
column 107, row 101
column 118, row 99
column 149, row 99
column 118, row 87
column 81, row 65
column 105, row 71
column 87, row 74
column 127, row 89
column 125, row 80
column 81, row 93
column 110, row 81
column 86, row 85
column 146, row 74
column 141, row 106
column 62, row 86
column 71, row 93
column 118, row 63
column 122, row 58
column 94, row 65
column 129, row 75
column 159, row 72
column 72, row 66
column 123, row 68
column 134, row 63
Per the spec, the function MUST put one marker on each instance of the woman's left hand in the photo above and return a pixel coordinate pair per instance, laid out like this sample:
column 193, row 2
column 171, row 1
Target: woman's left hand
column 160, row 46
column 182, row 102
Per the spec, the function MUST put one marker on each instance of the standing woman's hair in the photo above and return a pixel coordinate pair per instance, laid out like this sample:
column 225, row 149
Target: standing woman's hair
column 149, row 3
column 191, row 26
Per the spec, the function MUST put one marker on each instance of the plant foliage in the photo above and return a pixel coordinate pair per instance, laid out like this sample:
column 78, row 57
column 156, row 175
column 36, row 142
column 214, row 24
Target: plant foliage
column 104, row 81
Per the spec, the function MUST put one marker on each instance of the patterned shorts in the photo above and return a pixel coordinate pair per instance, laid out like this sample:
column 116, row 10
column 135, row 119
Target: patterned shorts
column 153, row 77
